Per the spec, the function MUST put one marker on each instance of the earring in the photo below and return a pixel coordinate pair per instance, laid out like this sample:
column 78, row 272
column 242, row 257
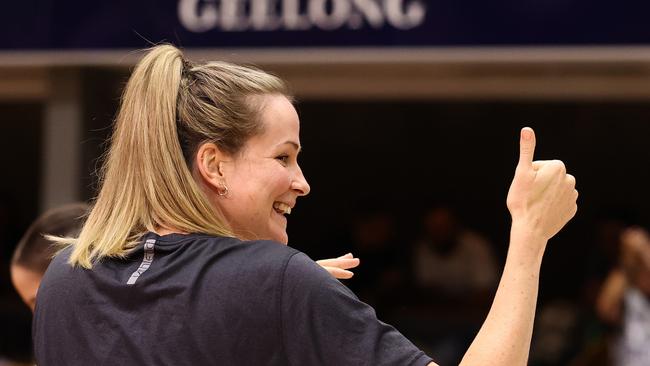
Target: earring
column 222, row 191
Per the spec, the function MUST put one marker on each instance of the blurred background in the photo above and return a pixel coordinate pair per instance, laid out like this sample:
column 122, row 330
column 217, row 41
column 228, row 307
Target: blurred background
column 410, row 113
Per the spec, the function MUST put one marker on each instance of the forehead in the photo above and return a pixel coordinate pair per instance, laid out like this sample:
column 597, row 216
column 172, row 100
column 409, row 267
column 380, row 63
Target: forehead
column 279, row 118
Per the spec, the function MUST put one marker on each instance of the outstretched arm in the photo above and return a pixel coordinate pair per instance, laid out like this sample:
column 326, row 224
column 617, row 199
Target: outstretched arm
column 541, row 200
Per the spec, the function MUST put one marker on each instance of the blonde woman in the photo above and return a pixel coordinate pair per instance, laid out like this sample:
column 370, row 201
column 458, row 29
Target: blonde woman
column 181, row 259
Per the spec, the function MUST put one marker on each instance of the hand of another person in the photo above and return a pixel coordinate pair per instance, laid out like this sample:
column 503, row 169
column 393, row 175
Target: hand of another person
column 338, row 267
column 636, row 243
column 542, row 196
column 634, row 238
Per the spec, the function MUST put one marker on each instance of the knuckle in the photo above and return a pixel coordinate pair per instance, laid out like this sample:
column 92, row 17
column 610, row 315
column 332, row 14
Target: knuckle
column 559, row 166
column 571, row 180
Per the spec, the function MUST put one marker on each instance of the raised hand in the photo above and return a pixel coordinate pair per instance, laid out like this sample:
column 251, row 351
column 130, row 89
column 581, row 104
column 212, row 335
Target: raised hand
column 635, row 242
column 542, row 199
column 338, row 267
column 542, row 196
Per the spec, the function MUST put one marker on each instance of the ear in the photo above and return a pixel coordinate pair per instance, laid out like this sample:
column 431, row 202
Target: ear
column 209, row 161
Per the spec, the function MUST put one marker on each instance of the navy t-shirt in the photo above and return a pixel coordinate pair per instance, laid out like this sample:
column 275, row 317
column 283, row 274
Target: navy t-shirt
column 203, row 300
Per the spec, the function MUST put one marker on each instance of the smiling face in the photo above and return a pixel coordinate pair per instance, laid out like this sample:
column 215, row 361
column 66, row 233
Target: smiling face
column 264, row 179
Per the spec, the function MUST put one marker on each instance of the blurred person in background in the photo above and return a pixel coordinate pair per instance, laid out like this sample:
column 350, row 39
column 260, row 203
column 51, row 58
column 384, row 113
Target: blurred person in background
column 624, row 301
column 452, row 259
column 584, row 337
column 29, row 261
column 455, row 272
column 34, row 252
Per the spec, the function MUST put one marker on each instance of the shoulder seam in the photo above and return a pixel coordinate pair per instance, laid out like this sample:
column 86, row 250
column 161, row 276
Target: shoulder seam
column 283, row 275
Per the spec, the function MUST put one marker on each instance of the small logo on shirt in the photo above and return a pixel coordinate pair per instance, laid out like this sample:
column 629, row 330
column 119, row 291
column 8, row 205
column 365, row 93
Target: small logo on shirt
column 146, row 261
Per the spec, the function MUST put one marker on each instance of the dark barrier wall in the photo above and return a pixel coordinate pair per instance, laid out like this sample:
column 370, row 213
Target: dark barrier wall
column 80, row 24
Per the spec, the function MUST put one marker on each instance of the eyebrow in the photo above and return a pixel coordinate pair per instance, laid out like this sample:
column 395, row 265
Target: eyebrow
column 294, row 144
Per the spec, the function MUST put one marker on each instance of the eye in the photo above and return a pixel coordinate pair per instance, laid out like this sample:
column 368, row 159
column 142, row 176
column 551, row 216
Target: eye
column 284, row 159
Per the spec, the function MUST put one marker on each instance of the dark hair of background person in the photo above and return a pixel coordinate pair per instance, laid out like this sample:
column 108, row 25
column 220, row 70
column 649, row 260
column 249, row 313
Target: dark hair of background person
column 34, row 251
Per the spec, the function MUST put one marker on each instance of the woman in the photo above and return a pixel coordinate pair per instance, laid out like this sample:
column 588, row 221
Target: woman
column 179, row 261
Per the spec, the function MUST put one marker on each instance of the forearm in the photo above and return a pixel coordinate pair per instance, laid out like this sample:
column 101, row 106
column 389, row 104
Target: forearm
column 504, row 338
column 610, row 298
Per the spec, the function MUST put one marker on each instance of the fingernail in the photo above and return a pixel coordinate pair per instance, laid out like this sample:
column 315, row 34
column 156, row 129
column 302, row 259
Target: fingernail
column 526, row 135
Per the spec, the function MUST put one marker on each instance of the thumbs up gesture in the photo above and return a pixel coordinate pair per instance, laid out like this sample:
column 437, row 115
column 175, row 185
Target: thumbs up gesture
column 542, row 196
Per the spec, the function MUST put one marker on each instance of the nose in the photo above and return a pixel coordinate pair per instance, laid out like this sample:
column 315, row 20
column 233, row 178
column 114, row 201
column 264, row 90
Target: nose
column 300, row 184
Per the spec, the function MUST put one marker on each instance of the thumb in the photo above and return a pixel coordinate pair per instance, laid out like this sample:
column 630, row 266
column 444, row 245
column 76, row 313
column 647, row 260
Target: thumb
column 526, row 146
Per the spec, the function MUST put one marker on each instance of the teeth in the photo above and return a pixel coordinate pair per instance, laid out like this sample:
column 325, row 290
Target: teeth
column 282, row 208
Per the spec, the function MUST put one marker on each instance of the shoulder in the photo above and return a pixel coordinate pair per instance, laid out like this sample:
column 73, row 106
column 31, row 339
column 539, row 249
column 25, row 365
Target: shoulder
column 58, row 280
column 268, row 247
column 260, row 252
column 301, row 267
column 252, row 259
column 303, row 278
column 59, row 265
column 200, row 246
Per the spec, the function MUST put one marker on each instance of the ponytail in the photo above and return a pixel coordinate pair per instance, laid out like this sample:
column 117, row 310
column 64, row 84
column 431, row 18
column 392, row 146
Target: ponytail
column 145, row 181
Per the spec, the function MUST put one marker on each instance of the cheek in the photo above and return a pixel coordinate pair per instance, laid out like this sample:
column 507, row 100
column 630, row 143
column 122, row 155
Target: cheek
column 268, row 183
column 25, row 283
column 280, row 182
column 255, row 191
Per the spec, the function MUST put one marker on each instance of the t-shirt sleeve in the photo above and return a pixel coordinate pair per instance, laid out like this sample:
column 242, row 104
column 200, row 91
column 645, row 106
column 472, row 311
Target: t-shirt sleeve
column 324, row 323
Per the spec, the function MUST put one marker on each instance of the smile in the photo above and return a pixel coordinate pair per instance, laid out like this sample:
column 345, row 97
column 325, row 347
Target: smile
column 282, row 208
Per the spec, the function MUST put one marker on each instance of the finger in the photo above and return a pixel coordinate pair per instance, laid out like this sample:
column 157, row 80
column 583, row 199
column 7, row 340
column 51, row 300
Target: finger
column 349, row 263
column 339, row 273
column 330, row 260
column 526, row 146
column 571, row 180
column 340, row 263
column 554, row 165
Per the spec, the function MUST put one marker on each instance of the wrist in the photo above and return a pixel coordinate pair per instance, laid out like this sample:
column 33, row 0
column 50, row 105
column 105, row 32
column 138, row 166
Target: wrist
column 527, row 244
column 529, row 228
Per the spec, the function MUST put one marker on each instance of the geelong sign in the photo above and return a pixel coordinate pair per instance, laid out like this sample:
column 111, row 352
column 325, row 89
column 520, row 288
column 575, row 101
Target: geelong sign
column 293, row 15
column 84, row 24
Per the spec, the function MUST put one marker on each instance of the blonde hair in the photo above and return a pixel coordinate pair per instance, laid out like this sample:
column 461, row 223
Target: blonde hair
column 169, row 107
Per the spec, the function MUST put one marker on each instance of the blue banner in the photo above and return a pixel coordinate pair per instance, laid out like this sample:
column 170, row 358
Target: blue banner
column 77, row 24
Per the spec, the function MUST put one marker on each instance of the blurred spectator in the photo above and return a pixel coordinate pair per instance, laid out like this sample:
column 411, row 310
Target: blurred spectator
column 34, row 252
column 590, row 346
column 555, row 334
column 456, row 274
column 605, row 254
column 624, row 302
column 452, row 259
column 28, row 264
